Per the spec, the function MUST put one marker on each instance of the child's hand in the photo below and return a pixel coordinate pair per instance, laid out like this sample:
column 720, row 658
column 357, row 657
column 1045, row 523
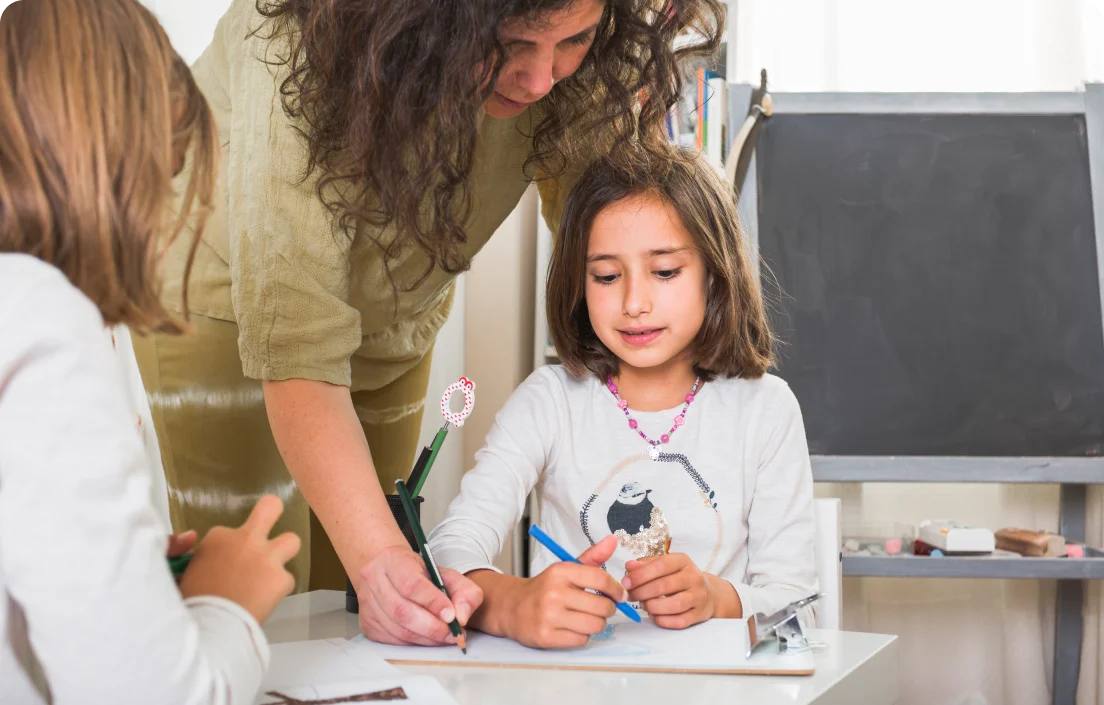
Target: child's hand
column 243, row 565
column 675, row 593
column 179, row 544
column 553, row 610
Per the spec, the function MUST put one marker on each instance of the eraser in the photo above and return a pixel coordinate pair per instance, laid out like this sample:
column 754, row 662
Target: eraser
column 893, row 546
column 1039, row 544
column 953, row 537
column 1075, row 550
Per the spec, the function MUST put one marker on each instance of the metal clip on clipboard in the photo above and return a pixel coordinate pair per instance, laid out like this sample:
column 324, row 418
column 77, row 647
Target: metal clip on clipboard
column 780, row 631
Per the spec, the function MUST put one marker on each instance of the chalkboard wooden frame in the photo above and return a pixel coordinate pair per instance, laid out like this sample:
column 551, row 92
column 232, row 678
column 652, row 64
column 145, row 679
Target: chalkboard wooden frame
column 1073, row 474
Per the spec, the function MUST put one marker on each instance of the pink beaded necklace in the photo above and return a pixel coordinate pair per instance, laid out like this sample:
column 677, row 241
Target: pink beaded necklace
column 653, row 446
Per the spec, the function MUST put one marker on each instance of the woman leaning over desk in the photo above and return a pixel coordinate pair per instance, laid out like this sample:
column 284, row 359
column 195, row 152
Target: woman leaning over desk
column 370, row 149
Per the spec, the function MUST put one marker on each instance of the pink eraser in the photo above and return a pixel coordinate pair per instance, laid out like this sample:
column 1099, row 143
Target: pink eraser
column 1075, row 550
column 893, row 546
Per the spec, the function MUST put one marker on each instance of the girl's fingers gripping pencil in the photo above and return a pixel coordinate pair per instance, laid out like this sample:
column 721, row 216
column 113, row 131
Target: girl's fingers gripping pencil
column 546, row 541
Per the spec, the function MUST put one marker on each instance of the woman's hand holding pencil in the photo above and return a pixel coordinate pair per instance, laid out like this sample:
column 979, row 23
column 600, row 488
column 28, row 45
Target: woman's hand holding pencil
column 402, row 602
column 400, row 605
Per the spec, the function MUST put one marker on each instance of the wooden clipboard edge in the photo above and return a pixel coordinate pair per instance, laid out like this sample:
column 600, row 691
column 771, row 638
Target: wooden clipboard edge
column 609, row 669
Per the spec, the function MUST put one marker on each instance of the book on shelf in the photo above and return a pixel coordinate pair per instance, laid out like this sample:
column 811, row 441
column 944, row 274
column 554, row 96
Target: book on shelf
column 704, row 125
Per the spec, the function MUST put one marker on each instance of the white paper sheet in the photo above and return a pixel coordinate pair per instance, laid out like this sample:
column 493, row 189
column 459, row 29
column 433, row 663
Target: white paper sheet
column 719, row 645
column 302, row 663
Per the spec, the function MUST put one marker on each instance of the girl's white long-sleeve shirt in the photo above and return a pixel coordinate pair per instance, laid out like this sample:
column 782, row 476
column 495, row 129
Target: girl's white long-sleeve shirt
column 89, row 612
column 732, row 489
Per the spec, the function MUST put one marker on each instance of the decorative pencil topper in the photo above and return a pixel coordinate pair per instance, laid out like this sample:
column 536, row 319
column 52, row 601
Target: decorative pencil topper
column 466, row 386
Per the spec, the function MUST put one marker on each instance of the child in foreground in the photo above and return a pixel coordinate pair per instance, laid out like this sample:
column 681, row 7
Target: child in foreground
column 664, row 455
column 96, row 114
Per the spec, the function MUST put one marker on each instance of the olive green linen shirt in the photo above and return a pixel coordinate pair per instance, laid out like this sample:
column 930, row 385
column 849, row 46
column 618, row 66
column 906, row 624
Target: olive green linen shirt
column 310, row 301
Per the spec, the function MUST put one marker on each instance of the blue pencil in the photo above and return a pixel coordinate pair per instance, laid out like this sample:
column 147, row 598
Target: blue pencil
column 557, row 549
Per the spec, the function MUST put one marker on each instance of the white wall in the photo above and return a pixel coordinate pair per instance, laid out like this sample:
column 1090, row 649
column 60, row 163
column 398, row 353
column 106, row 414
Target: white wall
column 190, row 24
column 499, row 322
column 935, row 45
column 449, row 355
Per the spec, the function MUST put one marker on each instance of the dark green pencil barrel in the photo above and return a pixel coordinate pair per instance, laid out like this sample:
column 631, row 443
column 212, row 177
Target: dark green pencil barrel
column 419, row 535
column 434, row 448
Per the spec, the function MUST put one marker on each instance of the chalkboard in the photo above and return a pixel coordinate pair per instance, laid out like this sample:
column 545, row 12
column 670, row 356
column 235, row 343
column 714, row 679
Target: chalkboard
column 937, row 285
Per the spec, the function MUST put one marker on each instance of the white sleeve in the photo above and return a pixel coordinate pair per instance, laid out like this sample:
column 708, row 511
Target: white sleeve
column 121, row 337
column 781, row 525
column 493, row 494
column 81, row 548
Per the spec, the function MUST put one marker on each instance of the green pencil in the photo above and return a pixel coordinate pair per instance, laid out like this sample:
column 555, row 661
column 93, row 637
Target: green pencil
column 178, row 564
column 418, row 477
column 423, row 549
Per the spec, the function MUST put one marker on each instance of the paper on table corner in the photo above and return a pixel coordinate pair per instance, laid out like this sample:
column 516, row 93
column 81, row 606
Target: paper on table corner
column 419, row 690
column 323, row 661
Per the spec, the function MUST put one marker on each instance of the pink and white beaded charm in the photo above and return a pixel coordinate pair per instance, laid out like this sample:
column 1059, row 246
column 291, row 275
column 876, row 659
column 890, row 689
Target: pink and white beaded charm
column 467, row 387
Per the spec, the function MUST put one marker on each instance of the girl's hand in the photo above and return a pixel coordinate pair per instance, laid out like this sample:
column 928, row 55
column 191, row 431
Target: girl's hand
column 243, row 565
column 676, row 594
column 400, row 605
column 554, row 609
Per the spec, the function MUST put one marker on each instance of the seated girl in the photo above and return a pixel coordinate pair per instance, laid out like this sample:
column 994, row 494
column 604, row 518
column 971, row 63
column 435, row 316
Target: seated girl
column 662, row 451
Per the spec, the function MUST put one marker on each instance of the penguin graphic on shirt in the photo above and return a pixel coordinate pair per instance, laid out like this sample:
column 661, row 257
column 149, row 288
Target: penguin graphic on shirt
column 637, row 523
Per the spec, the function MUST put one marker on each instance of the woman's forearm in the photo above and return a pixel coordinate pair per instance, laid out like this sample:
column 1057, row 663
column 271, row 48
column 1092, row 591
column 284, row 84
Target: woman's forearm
column 322, row 443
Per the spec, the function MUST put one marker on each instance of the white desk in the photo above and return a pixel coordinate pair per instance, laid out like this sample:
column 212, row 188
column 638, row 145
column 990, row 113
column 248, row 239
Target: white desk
column 855, row 668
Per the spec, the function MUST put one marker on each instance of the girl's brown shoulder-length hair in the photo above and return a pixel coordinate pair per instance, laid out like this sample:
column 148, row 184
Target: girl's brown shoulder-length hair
column 389, row 94
column 96, row 111
column 735, row 339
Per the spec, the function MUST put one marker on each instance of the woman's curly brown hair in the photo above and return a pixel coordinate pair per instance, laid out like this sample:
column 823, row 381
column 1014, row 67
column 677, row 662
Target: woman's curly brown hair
column 388, row 95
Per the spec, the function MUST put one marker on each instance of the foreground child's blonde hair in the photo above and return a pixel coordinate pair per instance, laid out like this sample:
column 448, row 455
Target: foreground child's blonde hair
column 96, row 113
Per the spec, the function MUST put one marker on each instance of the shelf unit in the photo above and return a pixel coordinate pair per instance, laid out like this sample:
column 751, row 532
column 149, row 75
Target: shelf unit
column 1089, row 568
column 1073, row 474
column 1068, row 572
